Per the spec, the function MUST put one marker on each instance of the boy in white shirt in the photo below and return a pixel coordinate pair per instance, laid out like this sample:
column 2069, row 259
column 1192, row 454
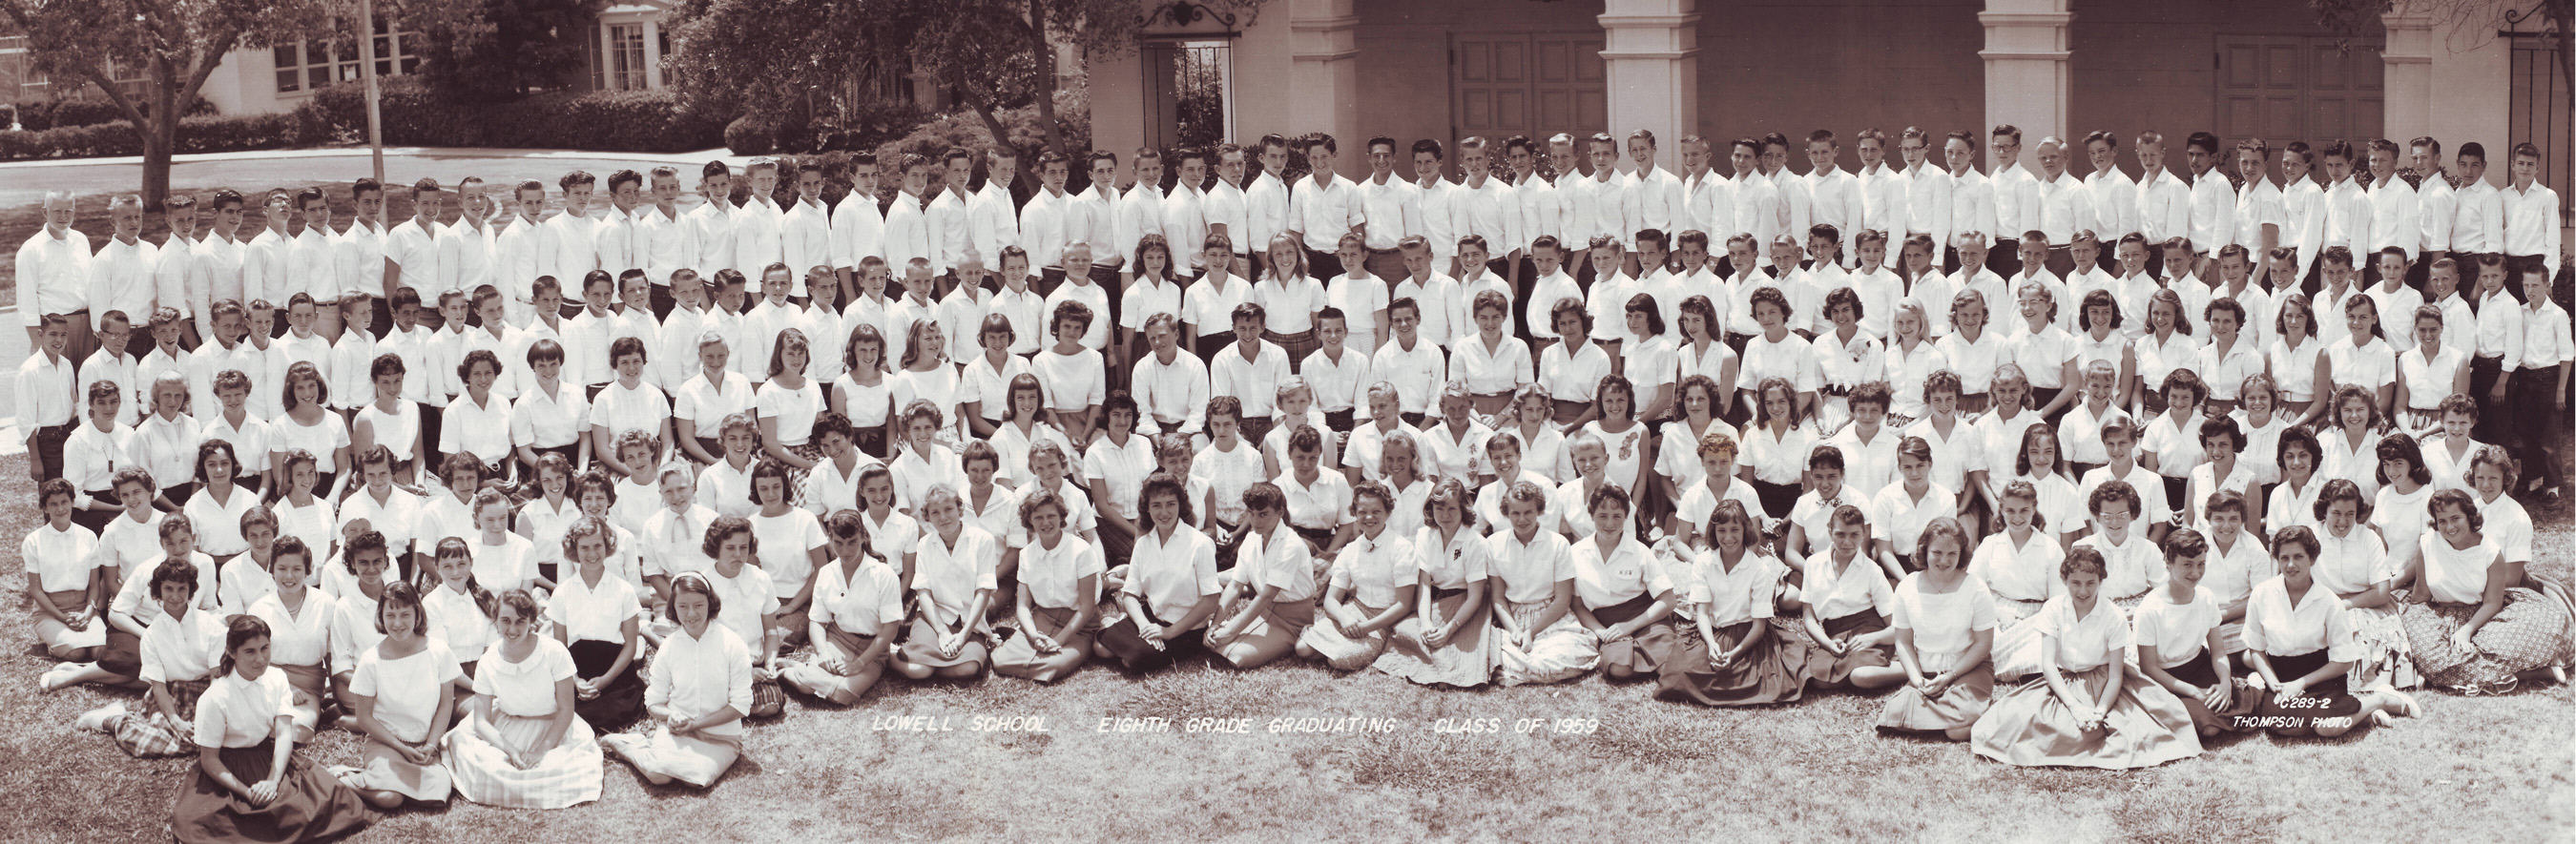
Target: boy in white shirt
column 1434, row 294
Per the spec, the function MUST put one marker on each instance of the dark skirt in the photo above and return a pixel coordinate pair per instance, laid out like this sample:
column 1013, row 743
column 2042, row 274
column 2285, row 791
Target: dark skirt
column 1137, row 656
column 1777, row 499
column 1830, row 669
column 310, row 805
column 2327, row 699
column 1773, row 671
column 622, row 699
column 1640, row 655
column 871, row 441
column 1317, row 539
column 1297, row 345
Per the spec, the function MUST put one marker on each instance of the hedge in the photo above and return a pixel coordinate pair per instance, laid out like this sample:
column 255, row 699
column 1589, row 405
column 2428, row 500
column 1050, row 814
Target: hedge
column 43, row 115
column 414, row 113
column 196, row 134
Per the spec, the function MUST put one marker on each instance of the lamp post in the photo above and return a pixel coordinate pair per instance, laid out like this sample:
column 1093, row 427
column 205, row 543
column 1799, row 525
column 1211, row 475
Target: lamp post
column 367, row 72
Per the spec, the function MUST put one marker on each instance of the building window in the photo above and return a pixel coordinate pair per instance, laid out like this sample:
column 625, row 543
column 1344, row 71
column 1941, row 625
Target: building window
column 2539, row 116
column 312, row 65
column 626, row 57
column 1189, row 92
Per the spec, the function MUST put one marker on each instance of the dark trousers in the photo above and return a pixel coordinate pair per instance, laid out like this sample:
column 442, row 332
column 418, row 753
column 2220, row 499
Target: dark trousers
column 662, row 302
column 2533, row 429
column 2061, row 262
column 2005, row 257
column 1050, row 278
column 380, row 316
column 2492, row 421
column 1386, row 264
column 46, row 450
column 1323, row 264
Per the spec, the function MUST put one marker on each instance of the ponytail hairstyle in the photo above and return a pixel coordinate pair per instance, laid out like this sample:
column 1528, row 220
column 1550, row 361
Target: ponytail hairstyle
column 239, row 631
column 455, row 546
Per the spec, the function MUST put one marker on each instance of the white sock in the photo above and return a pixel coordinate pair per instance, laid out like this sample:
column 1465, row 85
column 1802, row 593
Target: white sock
column 96, row 720
column 57, row 676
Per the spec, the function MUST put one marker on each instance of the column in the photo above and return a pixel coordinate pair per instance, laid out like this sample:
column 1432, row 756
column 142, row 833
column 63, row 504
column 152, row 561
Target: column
column 1650, row 61
column 2026, row 66
column 2407, row 98
column 653, row 52
column 1117, row 101
column 1324, row 71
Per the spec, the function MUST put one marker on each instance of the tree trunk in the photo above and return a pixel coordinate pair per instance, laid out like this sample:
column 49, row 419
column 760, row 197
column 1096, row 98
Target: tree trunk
column 1046, row 78
column 156, row 161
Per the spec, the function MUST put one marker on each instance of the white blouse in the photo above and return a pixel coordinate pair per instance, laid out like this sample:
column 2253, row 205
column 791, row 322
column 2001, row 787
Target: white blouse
column 2086, row 642
column 526, row 688
column 1373, row 569
column 2178, row 632
column 2277, row 626
column 1054, row 575
column 951, row 574
column 593, row 613
column 406, row 690
column 241, row 713
column 858, row 600
column 694, row 676
column 1944, row 623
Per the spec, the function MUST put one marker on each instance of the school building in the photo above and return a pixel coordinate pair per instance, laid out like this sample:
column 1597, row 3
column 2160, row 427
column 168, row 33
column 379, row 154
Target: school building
column 2460, row 70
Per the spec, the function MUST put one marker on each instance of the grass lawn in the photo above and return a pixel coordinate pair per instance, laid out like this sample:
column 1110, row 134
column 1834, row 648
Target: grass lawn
column 2488, row 769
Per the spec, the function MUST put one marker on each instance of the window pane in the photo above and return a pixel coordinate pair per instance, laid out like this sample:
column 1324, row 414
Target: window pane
column 286, row 56
column 286, row 80
column 319, row 76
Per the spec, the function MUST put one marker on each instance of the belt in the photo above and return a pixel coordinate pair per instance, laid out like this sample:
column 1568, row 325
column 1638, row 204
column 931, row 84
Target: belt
column 1836, row 390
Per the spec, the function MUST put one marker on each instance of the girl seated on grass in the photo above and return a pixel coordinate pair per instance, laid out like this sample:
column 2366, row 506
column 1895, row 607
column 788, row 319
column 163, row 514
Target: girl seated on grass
column 858, row 607
column 1736, row 651
column 2299, row 642
column 1844, row 602
column 1945, row 632
column 2086, row 708
column 701, row 687
column 1372, row 586
column 1270, row 600
column 1537, row 639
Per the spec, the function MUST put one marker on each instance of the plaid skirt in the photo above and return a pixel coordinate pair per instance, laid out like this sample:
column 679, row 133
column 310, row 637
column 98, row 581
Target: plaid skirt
column 1297, row 345
column 1465, row 661
column 143, row 738
column 567, row 775
column 810, row 452
column 2530, row 632
column 2031, row 726
column 309, row 806
column 1561, row 652
column 1772, row 671
column 2016, row 650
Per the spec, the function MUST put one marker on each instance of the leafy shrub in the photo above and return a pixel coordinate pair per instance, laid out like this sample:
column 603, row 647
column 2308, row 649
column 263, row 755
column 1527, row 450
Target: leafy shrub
column 196, row 134
column 40, row 116
column 416, row 113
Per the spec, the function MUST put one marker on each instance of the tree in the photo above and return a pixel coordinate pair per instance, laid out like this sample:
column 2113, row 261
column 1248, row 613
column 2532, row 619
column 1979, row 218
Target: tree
column 511, row 47
column 771, row 56
column 178, row 43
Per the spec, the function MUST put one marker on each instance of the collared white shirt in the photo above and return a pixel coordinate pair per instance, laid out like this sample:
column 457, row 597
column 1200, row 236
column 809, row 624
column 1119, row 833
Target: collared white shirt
column 1442, row 214
column 1185, row 226
column 2530, row 223
column 575, row 252
column 2257, row 205
column 2348, row 211
column 1224, row 205
column 1267, row 203
column 2277, row 626
column 1417, row 372
column 669, row 243
column 760, row 239
column 993, row 222
column 614, row 240
column 1326, row 211
column 2164, row 207
column 2477, row 218
column 1254, row 382
column 1655, row 201
column 1883, row 197
column 1529, row 571
column 1140, row 213
column 1486, row 210
column 2436, row 209
column 2115, row 204
column 171, row 266
column 1393, row 209
column 2016, row 193
column 711, row 228
column 121, row 279
column 1794, row 200
column 1047, row 223
column 1927, row 207
column 805, row 237
column 1761, row 212
column 1835, row 198
column 56, row 270
column 1710, row 199
column 2213, row 212
column 267, row 264
column 910, row 232
column 1169, row 576
column 1541, row 206
column 521, row 251
column 1092, row 219
column 2303, row 220
column 694, row 676
column 2393, row 218
column 857, row 231
column 415, row 248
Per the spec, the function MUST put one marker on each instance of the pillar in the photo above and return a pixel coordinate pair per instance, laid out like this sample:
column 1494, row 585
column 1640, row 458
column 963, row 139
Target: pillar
column 2406, row 103
column 1117, row 101
column 1650, row 61
column 2027, row 80
column 653, row 52
column 1324, row 71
